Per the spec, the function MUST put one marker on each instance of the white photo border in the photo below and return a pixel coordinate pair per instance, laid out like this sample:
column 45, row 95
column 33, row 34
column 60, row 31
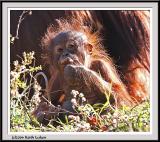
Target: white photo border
column 153, row 134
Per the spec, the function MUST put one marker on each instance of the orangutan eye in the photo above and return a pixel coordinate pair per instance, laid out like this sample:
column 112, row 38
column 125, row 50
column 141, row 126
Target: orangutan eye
column 71, row 46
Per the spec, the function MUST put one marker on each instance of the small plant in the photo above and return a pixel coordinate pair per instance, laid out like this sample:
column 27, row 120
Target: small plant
column 22, row 80
column 21, row 18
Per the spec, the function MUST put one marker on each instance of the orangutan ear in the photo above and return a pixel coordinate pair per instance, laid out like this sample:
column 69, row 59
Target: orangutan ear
column 89, row 48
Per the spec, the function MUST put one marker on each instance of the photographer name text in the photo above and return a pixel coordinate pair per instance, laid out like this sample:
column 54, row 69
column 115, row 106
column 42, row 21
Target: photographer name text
column 28, row 137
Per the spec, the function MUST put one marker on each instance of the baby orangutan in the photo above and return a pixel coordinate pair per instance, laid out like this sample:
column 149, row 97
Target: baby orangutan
column 78, row 61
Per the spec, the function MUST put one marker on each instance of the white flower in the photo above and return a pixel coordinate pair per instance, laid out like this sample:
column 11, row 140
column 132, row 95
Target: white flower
column 15, row 63
column 23, row 67
column 81, row 95
column 83, row 99
column 74, row 93
column 73, row 101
